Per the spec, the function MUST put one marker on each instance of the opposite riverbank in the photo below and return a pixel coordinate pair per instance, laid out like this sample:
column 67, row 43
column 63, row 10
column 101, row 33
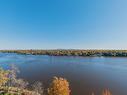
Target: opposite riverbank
column 71, row 52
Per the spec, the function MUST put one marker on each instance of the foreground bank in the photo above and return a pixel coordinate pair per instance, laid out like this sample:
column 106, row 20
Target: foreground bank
column 11, row 85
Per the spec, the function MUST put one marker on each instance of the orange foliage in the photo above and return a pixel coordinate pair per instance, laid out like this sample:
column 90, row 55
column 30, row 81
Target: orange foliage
column 3, row 77
column 106, row 92
column 59, row 86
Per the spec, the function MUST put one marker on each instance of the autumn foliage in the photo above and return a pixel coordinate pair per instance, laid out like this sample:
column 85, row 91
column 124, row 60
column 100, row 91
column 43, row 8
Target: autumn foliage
column 10, row 84
column 106, row 92
column 3, row 77
column 59, row 86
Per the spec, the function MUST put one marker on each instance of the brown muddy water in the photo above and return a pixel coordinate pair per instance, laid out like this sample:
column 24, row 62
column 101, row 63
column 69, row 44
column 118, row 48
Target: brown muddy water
column 85, row 74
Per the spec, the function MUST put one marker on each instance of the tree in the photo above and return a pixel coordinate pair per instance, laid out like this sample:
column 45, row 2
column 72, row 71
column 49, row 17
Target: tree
column 106, row 92
column 22, row 84
column 93, row 93
column 3, row 77
column 59, row 86
column 38, row 88
column 13, row 75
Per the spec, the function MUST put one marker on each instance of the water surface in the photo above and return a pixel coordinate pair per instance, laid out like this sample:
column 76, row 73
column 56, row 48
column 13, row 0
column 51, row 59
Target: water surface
column 85, row 74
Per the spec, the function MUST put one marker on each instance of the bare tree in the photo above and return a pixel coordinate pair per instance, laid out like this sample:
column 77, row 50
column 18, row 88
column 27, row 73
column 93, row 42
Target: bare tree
column 13, row 75
column 22, row 84
column 38, row 88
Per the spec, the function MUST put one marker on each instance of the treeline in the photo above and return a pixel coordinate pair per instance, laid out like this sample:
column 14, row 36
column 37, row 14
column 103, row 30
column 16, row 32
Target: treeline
column 62, row 52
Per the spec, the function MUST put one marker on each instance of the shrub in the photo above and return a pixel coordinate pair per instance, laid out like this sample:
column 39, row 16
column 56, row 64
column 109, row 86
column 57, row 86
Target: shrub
column 106, row 92
column 3, row 77
column 38, row 88
column 59, row 86
column 13, row 75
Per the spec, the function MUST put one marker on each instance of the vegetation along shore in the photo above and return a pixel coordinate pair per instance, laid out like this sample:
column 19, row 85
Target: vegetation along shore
column 11, row 85
column 71, row 52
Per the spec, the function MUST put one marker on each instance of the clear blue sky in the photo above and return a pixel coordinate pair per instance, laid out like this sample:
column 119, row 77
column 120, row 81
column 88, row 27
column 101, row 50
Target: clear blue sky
column 63, row 24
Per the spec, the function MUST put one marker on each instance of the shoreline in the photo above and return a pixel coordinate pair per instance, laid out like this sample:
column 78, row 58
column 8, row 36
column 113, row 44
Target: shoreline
column 80, row 53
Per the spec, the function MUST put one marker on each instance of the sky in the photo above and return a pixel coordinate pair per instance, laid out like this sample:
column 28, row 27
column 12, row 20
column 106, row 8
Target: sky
column 63, row 24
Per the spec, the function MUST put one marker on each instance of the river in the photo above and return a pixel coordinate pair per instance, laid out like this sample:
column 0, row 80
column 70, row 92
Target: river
column 85, row 74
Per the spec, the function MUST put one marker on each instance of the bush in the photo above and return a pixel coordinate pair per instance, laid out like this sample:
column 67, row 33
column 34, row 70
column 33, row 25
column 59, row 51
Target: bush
column 59, row 86
column 3, row 77
column 38, row 88
column 106, row 92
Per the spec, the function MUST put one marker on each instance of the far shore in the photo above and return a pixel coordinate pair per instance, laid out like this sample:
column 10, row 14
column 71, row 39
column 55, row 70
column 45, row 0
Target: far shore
column 71, row 52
